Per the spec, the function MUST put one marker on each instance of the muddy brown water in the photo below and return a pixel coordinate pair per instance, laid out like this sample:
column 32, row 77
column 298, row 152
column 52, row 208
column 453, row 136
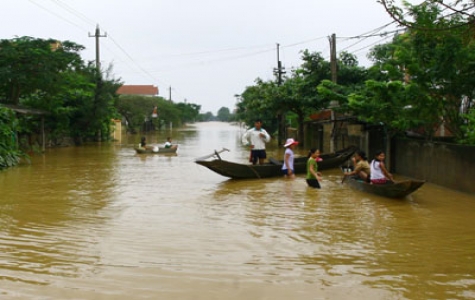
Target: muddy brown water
column 101, row 222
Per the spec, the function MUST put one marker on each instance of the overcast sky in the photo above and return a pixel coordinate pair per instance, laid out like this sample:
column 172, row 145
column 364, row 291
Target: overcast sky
column 207, row 51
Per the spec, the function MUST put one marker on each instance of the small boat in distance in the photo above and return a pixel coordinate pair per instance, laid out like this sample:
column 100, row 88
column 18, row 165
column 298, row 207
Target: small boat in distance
column 157, row 150
column 271, row 168
column 391, row 189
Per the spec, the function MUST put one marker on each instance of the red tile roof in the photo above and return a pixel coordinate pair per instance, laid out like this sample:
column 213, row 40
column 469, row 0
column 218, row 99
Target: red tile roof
column 149, row 90
column 321, row 115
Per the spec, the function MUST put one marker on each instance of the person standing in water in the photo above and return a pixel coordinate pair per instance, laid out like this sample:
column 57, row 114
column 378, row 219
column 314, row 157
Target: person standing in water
column 313, row 176
column 288, row 165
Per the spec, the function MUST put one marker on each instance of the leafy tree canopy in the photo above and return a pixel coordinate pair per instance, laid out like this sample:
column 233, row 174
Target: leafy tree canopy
column 50, row 75
column 436, row 60
column 30, row 66
column 224, row 115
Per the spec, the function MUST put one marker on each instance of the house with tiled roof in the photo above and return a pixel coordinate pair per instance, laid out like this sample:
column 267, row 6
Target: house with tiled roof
column 138, row 90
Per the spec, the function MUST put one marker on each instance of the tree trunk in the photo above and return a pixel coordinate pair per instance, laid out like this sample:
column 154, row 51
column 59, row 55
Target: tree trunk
column 14, row 96
column 300, row 118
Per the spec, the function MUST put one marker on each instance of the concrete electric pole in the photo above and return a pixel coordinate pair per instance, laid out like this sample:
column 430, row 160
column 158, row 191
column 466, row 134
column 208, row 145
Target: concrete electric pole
column 279, row 72
column 98, row 35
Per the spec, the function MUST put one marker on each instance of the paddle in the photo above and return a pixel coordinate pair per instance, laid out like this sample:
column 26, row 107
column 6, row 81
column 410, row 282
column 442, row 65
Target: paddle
column 344, row 170
column 344, row 177
column 215, row 153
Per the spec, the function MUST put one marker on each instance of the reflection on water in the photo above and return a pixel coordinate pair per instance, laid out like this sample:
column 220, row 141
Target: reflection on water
column 101, row 222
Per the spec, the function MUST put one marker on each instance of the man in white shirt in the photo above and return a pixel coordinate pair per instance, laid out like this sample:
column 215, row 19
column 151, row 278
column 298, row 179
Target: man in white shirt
column 257, row 137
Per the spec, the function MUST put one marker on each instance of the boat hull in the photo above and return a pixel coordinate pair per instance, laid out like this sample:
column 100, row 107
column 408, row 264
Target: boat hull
column 161, row 150
column 273, row 168
column 391, row 190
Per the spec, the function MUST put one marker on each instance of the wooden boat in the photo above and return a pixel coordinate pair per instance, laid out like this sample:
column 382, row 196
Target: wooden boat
column 398, row 189
column 271, row 168
column 157, row 150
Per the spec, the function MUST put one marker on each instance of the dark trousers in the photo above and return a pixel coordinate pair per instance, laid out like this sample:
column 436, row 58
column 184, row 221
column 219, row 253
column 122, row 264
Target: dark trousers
column 313, row 183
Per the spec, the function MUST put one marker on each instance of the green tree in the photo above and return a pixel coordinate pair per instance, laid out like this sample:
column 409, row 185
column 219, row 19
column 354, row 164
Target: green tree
column 208, row 116
column 300, row 95
column 350, row 73
column 51, row 76
column 258, row 102
column 392, row 104
column 224, row 115
column 92, row 106
column 34, row 67
column 137, row 109
column 435, row 53
column 9, row 154
column 469, row 128
column 463, row 10
column 189, row 112
column 301, row 98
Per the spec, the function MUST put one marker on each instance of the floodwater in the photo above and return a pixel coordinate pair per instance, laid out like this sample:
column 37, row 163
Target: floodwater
column 101, row 222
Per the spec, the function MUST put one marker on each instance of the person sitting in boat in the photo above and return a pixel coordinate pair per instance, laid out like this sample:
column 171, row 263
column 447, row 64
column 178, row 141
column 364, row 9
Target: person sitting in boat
column 313, row 176
column 288, row 165
column 143, row 143
column 379, row 173
column 361, row 168
column 168, row 143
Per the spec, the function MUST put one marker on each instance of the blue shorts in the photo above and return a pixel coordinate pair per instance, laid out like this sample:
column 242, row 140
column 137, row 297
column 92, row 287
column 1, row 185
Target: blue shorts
column 284, row 171
column 258, row 154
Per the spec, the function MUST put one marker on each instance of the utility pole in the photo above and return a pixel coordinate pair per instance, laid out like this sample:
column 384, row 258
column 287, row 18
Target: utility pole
column 98, row 35
column 279, row 71
column 170, row 94
column 333, row 103
column 333, row 61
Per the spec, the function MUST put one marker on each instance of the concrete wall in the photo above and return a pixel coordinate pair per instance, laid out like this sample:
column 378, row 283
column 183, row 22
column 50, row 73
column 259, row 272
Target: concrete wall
column 318, row 135
column 448, row 165
column 327, row 132
column 358, row 136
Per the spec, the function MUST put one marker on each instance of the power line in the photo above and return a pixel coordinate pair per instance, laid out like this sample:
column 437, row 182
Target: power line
column 130, row 57
column 373, row 35
column 304, row 42
column 57, row 15
column 217, row 51
column 74, row 12
column 375, row 43
column 217, row 60
column 385, row 34
column 369, row 33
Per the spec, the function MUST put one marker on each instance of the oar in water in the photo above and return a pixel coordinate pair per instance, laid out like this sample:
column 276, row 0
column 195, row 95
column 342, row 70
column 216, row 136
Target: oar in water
column 344, row 171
